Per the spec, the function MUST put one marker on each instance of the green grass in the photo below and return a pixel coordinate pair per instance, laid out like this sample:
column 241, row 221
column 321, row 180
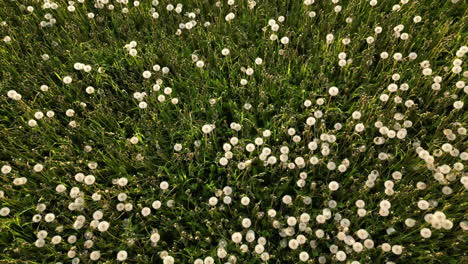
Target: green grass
column 304, row 69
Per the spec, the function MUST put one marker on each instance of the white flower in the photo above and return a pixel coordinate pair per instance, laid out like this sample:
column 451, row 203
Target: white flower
column 397, row 249
column 397, row 56
column 87, row 68
column 70, row 112
column 293, row 244
column 209, row 260
column 67, row 80
column 427, row 71
column 44, row 88
column 103, row 226
column 32, row 123
column 423, row 205
column 245, row 200
column 133, row 52
column 360, row 204
column 6, row 169
column 200, row 64
column 417, row 19
column 227, row 199
column 369, row 243
column 49, row 217
column 11, row 94
column 155, row 237
column 95, row 255
column 207, row 128
column 250, row 147
column 134, row 140
column 156, row 205
column 333, row 185
column 284, row 40
column 287, row 199
column 122, row 181
column 292, row 221
column 410, row 222
column 4, row 211
column 146, row 74
column 223, row 161
column 38, row 167
column 178, row 147
column 426, row 233
column 230, row 17
column 97, row 215
column 78, row 66
column 340, row 256
column 145, row 211
column 246, row 222
column 168, row 90
column 333, row 91
column 89, row 179
column 56, row 240
column 458, row 104
column 385, row 204
column 122, row 255
column 213, row 201
column 73, row 124
column 236, row 237
column 39, row 243
column 225, row 52
column 90, row 90
column 359, row 127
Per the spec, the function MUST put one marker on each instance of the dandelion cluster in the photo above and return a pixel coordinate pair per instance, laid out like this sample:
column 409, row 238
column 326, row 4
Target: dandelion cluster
column 234, row 131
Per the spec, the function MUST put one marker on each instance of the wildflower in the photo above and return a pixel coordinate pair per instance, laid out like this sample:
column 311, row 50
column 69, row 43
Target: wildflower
column 200, row 64
column 145, row 211
column 333, row 91
column 49, row 217
column 38, row 167
column 178, row 147
column 134, row 140
column 340, row 256
column 146, row 74
column 236, row 237
column 6, row 169
column 284, row 40
column 333, row 186
column 67, row 80
column 426, row 233
column 213, row 201
column 207, row 129
column 225, row 52
column 122, row 255
column 95, row 255
column 397, row 249
column 4, row 211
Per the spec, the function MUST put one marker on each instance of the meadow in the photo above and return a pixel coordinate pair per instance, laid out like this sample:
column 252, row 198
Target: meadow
column 233, row 131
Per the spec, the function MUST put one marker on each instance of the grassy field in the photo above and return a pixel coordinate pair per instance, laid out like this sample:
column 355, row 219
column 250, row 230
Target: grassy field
column 276, row 131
